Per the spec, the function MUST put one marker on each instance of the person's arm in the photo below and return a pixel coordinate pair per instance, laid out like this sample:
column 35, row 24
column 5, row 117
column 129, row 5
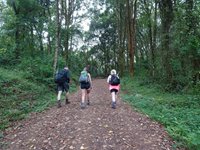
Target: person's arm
column 108, row 79
column 67, row 76
column 90, row 80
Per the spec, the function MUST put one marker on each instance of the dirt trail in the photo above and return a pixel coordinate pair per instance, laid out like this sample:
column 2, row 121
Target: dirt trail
column 98, row 127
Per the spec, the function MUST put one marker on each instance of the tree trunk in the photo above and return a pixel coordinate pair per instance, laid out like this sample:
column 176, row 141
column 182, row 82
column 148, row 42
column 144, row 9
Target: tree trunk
column 32, row 42
column 66, row 35
column 48, row 36
column 130, row 36
column 134, row 31
column 57, row 37
column 154, row 39
column 152, row 27
column 121, row 34
column 41, row 44
column 69, row 10
column 191, row 31
column 49, row 44
column 17, row 32
column 17, row 41
column 166, row 20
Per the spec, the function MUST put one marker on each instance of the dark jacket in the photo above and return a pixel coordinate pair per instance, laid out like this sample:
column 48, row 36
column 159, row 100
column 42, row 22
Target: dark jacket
column 66, row 75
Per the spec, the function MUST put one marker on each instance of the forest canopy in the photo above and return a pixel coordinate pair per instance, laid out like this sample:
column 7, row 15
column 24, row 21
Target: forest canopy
column 157, row 39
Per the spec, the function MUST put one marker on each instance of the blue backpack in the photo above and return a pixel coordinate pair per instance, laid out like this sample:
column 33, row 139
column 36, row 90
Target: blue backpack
column 59, row 77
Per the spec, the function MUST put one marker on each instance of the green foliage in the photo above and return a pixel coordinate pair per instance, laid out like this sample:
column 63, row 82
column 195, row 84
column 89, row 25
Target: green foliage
column 38, row 70
column 20, row 96
column 179, row 113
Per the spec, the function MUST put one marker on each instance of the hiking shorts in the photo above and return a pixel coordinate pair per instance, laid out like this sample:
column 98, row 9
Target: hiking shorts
column 113, row 90
column 85, row 85
column 63, row 87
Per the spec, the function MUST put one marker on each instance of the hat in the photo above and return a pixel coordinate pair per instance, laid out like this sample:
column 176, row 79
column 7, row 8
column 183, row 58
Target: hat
column 113, row 71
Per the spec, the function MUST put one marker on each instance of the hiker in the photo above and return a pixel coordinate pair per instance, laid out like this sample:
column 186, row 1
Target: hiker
column 86, row 86
column 114, row 86
column 62, row 80
column 88, row 68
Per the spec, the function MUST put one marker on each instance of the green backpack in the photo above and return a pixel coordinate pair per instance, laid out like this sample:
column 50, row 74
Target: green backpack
column 84, row 77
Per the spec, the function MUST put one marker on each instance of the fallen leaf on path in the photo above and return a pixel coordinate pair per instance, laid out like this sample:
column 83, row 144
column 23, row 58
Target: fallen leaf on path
column 83, row 148
column 105, row 126
column 71, row 147
column 110, row 131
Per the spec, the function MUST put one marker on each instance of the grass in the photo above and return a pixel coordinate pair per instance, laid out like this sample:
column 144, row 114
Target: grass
column 20, row 96
column 179, row 113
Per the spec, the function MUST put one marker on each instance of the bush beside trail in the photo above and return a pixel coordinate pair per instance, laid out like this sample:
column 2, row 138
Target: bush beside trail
column 20, row 96
column 179, row 113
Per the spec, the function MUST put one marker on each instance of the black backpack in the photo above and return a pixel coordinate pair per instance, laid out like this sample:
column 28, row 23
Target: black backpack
column 60, row 76
column 114, row 80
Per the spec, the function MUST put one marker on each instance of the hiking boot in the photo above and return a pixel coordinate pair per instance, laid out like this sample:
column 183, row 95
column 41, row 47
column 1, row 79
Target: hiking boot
column 82, row 105
column 114, row 105
column 88, row 102
column 67, row 101
column 59, row 103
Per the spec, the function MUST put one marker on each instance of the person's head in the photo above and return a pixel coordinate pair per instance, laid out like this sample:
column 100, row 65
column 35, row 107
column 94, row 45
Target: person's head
column 66, row 68
column 113, row 72
column 85, row 69
column 88, row 67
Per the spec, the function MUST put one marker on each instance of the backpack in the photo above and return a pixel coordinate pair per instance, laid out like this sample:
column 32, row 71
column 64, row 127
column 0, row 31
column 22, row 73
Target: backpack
column 59, row 77
column 114, row 80
column 84, row 77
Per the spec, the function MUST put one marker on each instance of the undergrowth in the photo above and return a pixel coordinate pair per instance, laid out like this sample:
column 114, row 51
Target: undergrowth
column 19, row 96
column 179, row 113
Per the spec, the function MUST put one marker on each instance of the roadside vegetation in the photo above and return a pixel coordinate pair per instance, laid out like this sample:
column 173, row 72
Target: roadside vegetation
column 178, row 112
column 22, row 93
column 38, row 38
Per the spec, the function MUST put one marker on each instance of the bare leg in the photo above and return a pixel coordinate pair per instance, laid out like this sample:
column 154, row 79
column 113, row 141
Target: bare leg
column 66, row 98
column 83, row 92
column 113, row 100
column 59, row 95
column 113, row 97
column 58, row 98
column 87, row 97
column 83, row 95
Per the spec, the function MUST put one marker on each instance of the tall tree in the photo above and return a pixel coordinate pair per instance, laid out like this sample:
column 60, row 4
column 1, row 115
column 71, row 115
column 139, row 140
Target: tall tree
column 166, row 9
column 129, row 4
column 191, row 22
column 16, row 8
column 153, row 51
column 57, row 36
column 131, row 27
column 119, row 11
column 149, row 30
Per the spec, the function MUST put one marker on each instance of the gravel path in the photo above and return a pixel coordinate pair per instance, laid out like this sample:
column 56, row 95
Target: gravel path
column 98, row 127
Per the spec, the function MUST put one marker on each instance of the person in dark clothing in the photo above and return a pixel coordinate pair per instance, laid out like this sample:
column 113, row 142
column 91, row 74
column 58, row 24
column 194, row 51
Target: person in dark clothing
column 63, row 86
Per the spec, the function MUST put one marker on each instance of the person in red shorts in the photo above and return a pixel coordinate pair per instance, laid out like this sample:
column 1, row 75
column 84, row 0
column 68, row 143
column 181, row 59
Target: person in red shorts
column 114, row 86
